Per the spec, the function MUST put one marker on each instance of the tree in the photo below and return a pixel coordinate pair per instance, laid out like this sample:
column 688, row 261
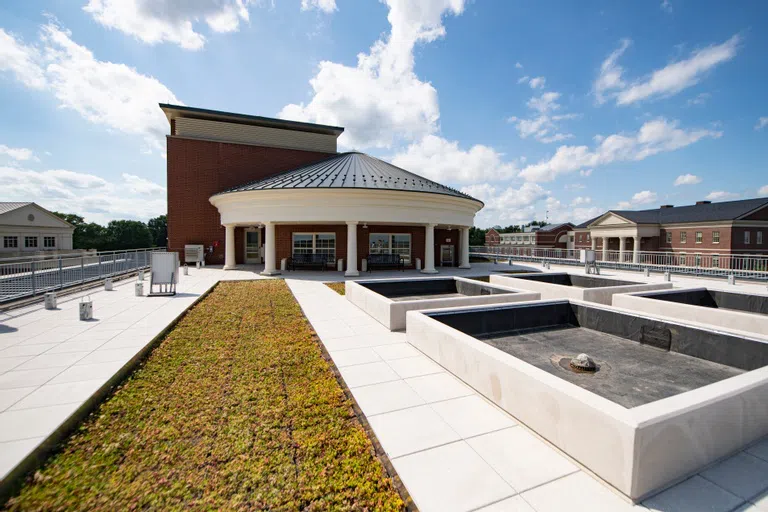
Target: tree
column 159, row 229
column 87, row 235
column 128, row 234
column 477, row 236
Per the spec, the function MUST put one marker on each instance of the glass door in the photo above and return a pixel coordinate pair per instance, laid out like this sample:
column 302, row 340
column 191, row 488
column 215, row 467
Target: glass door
column 446, row 255
column 252, row 247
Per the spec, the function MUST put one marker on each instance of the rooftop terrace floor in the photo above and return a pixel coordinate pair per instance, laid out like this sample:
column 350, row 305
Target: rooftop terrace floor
column 452, row 448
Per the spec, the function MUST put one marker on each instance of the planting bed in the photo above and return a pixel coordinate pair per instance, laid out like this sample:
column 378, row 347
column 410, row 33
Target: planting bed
column 562, row 285
column 665, row 400
column 338, row 287
column 741, row 311
column 235, row 409
column 388, row 300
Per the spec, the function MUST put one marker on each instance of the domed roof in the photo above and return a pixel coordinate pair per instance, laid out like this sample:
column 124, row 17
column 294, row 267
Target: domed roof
column 351, row 170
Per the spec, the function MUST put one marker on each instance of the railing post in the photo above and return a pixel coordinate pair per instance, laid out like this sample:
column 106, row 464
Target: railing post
column 61, row 274
column 34, row 287
column 82, row 269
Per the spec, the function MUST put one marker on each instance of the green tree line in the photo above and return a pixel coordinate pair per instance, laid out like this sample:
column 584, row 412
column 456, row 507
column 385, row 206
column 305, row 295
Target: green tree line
column 118, row 234
column 477, row 235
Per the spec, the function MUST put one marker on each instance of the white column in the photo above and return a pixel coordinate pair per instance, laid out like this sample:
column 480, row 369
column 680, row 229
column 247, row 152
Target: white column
column 605, row 248
column 636, row 250
column 270, row 269
column 622, row 247
column 229, row 247
column 594, row 242
column 429, row 249
column 351, row 249
column 464, row 257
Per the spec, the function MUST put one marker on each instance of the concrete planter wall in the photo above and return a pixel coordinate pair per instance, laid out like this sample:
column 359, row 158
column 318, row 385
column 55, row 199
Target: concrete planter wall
column 391, row 313
column 601, row 295
column 639, row 451
column 723, row 318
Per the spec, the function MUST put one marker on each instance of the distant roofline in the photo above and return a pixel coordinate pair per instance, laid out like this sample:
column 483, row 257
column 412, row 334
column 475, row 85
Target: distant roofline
column 177, row 111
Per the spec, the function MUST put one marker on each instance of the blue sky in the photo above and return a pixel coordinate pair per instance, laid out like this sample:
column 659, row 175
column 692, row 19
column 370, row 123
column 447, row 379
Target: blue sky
column 553, row 109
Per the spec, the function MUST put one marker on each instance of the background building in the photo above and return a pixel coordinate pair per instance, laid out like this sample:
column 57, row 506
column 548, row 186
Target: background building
column 28, row 229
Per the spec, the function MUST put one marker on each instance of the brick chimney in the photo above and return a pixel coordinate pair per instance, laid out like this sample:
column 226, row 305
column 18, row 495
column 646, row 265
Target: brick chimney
column 703, row 202
column 667, row 206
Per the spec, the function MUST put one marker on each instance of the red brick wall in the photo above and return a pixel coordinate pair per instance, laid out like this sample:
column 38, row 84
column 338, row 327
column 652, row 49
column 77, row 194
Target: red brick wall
column 549, row 239
column 284, row 238
column 738, row 245
column 690, row 246
column 198, row 169
column 492, row 237
column 417, row 240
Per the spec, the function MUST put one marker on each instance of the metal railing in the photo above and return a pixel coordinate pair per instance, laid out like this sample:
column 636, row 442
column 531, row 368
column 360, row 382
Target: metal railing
column 31, row 277
column 704, row 264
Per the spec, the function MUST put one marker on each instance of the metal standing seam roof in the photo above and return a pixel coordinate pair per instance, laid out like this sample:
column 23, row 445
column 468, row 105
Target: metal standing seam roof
column 6, row 207
column 351, row 170
column 727, row 210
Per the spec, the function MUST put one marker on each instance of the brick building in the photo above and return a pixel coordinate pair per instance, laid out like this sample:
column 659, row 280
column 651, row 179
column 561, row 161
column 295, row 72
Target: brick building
column 691, row 232
column 492, row 237
column 259, row 190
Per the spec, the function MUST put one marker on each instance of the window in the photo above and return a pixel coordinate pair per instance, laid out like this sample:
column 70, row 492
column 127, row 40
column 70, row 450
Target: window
column 30, row 241
column 589, row 237
column 581, row 237
column 315, row 243
column 699, row 237
column 697, row 259
column 10, row 242
column 759, row 238
column 716, row 260
column 746, row 238
column 683, row 237
column 669, row 237
column 384, row 243
column 571, row 238
column 715, row 237
column 49, row 242
column 683, row 258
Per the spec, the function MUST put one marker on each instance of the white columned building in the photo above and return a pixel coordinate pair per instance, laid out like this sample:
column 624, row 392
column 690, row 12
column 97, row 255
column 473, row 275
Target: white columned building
column 270, row 267
column 464, row 257
column 622, row 247
column 229, row 247
column 429, row 250
column 636, row 250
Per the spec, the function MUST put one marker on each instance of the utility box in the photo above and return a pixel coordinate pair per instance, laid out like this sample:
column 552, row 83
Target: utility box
column 340, row 265
column 418, row 263
column 50, row 300
column 108, row 284
column 139, row 289
column 194, row 254
column 86, row 308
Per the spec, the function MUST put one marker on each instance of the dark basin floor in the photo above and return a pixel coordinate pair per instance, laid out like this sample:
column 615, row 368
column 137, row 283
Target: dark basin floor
column 631, row 374
column 426, row 296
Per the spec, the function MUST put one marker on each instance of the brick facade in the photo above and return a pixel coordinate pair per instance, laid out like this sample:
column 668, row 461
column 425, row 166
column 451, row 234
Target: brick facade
column 198, row 169
column 492, row 237
column 550, row 239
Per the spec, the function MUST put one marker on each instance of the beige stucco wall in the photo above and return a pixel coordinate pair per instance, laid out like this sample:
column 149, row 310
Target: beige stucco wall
column 17, row 223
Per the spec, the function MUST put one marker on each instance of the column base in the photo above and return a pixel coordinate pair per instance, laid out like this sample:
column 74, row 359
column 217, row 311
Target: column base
column 429, row 271
column 467, row 266
column 351, row 273
column 269, row 273
column 230, row 267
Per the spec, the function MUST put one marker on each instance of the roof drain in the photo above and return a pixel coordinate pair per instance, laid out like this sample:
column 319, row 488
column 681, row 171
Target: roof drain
column 582, row 363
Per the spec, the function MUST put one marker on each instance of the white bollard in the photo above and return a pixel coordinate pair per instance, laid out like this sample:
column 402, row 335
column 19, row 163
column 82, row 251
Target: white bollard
column 197, row 264
column 283, row 264
column 186, row 269
column 731, row 279
column 108, row 284
column 139, row 289
column 141, row 275
column 86, row 308
column 667, row 276
column 418, row 263
column 50, row 300
column 647, row 272
column 340, row 265
column 364, row 265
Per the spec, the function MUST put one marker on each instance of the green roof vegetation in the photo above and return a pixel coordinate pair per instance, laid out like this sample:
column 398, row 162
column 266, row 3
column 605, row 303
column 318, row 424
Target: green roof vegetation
column 338, row 287
column 235, row 409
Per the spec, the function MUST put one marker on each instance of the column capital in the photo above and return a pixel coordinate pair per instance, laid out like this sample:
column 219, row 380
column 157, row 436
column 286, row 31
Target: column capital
column 353, row 222
column 430, row 225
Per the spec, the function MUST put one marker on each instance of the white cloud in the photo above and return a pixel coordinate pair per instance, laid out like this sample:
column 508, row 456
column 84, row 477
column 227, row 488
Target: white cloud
column 523, row 79
column 95, row 198
column 17, row 153
column 610, row 77
column 581, row 200
column 173, row 21
column 761, row 123
column 441, row 160
column 763, row 190
column 640, row 198
column 508, row 205
column 586, row 172
column 700, row 99
column 21, row 60
column 666, row 6
column 105, row 93
column 537, row 82
column 543, row 126
column 663, row 82
column 381, row 101
column 721, row 195
column 326, row 6
column 518, row 65
column 687, row 179
column 575, row 186
column 656, row 136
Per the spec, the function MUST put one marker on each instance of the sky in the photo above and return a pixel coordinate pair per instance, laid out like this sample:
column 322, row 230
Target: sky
column 545, row 110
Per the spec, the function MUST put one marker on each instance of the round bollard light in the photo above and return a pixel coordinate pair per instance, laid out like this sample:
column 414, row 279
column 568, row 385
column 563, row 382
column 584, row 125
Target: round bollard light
column 186, row 269
column 108, row 284
column 141, row 275
column 139, row 289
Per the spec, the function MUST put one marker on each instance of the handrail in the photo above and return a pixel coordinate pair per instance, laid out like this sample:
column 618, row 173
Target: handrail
column 85, row 252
